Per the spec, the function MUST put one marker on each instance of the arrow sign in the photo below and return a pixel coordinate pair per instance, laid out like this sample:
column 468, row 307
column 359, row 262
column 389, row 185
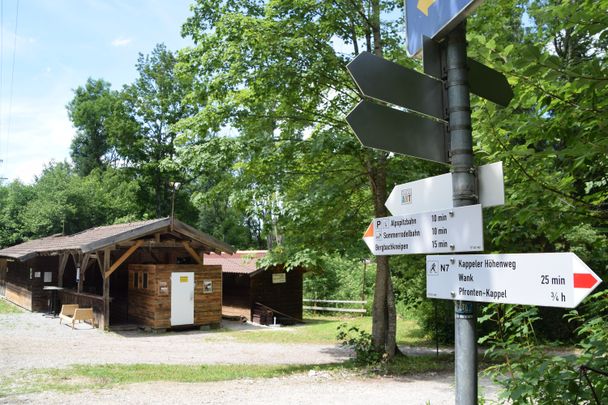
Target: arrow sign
column 392, row 130
column 390, row 82
column 455, row 230
column 484, row 82
column 543, row 279
column 433, row 18
column 435, row 193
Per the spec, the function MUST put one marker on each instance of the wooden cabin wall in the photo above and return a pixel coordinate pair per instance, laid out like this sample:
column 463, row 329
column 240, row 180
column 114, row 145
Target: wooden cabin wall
column 284, row 297
column 24, row 282
column 151, row 306
column 18, row 286
column 207, row 306
column 3, row 269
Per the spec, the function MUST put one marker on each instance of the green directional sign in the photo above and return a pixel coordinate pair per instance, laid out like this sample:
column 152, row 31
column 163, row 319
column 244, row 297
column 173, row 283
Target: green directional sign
column 392, row 83
column 392, row 130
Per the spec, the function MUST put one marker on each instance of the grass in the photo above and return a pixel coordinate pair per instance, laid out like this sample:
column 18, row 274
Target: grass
column 410, row 365
column 8, row 308
column 81, row 377
column 323, row 330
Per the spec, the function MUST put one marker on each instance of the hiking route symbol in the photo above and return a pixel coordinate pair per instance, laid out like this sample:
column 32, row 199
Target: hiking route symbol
column 423, row 5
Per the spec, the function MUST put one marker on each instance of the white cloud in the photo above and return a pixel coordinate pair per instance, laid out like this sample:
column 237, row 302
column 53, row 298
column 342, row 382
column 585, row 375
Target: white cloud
column 121, row 41
column 40, row 132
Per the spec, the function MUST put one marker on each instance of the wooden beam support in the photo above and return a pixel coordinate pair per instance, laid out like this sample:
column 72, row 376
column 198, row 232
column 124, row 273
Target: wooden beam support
column 84, row 262
column 192, row 252
column 122, row 258
column 99, row 263
column 63, row 261
column 106, row 290
column 151, row 243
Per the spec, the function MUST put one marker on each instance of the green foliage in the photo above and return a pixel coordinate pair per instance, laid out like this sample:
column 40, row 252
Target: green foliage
column 62, row 202
column 90, row 111
column 529, row 373
column 340, row 278
column 154, row 103
column 361, row 342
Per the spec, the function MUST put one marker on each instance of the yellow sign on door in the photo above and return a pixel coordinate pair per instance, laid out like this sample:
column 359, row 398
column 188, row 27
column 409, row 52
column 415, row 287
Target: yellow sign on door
column 183, row 279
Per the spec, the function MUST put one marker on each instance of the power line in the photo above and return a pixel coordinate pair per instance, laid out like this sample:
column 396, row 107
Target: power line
column 10, row 98
column 5, row 121
column 1, row 64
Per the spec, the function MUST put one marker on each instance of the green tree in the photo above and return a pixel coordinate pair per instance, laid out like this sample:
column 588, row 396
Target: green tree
column 272, row 71
column 154, row 102
column 13, row 197
column 61, row 201
column 89, row 111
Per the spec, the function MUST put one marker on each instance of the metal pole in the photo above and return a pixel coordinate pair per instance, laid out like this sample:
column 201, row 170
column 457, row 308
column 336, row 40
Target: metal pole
column 463, row 193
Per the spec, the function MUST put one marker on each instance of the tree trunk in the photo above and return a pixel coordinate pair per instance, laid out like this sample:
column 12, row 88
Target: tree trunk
column 384, row 318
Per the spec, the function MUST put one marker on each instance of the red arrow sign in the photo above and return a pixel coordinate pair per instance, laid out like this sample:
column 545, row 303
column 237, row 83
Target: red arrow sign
column 584, row 280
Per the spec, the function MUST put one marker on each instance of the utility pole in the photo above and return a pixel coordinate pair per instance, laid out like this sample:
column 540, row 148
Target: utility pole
column 2, row 178
column 463, row 193
column 174, row 187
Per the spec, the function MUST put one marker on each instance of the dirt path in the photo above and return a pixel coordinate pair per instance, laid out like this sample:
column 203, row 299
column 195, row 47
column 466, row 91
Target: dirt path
column 32, row 341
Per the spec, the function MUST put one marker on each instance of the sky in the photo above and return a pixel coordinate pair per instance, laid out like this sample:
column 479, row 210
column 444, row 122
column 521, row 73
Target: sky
column 50, row 47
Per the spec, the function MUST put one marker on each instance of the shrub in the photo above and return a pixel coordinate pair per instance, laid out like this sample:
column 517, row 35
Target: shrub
column 361, row 342
column 528, row 373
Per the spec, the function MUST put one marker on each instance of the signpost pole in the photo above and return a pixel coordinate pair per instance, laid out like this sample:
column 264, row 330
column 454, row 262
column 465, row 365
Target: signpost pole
column 463, row 193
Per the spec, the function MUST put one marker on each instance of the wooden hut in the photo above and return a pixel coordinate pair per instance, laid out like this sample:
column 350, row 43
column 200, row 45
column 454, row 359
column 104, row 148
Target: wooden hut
column 259, row 294
column 148, row 273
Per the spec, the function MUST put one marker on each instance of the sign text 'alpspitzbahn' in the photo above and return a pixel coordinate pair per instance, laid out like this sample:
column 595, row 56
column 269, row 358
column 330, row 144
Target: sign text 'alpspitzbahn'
column 454, row 230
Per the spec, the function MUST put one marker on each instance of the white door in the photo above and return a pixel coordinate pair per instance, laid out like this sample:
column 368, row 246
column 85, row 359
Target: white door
column 182, row 298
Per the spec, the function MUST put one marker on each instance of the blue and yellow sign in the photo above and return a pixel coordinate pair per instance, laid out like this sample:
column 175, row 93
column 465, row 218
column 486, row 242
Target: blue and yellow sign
column 433, row 18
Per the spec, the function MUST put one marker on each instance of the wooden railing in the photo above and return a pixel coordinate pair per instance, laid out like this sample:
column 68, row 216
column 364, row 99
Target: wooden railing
column 335, row 305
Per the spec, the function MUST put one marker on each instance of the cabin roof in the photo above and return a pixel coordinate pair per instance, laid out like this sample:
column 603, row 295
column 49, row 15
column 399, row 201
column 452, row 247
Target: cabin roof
column 105, row 236
column 241, row 262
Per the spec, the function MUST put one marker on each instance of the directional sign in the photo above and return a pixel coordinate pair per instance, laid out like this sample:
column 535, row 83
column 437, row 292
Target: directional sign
column 390, row 82
column 435, row 193
column 433, row 18
column 397, row 131
column 544, row 279
column 455, row 230
column 484, row 82
column 430, row 194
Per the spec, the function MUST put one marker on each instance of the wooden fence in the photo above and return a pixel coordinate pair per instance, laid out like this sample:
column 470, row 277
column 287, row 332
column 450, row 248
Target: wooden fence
column 335, row 305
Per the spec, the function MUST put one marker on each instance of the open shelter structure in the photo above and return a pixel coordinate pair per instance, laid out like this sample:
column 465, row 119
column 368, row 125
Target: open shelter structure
column 148, row 273
column 257, row 293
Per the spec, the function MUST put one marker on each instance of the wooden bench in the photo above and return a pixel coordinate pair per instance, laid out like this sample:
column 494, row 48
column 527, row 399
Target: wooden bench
column 72, row 313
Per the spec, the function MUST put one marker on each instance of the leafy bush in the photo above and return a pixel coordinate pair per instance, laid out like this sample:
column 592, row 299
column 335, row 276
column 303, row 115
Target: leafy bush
column 361, row 342
column 529, row 373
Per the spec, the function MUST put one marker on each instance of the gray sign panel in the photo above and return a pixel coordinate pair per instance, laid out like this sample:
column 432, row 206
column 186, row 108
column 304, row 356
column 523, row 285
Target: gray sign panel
column 392, row 130
column 390, row 82
column 484, row 82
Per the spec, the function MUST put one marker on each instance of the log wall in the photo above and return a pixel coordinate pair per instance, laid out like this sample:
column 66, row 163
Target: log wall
column 284, row 297
column 24, row 282
column 2, row 276
column 151, row 306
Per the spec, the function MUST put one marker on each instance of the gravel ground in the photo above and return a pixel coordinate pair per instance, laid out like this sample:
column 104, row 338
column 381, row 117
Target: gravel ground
column 31, row 340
